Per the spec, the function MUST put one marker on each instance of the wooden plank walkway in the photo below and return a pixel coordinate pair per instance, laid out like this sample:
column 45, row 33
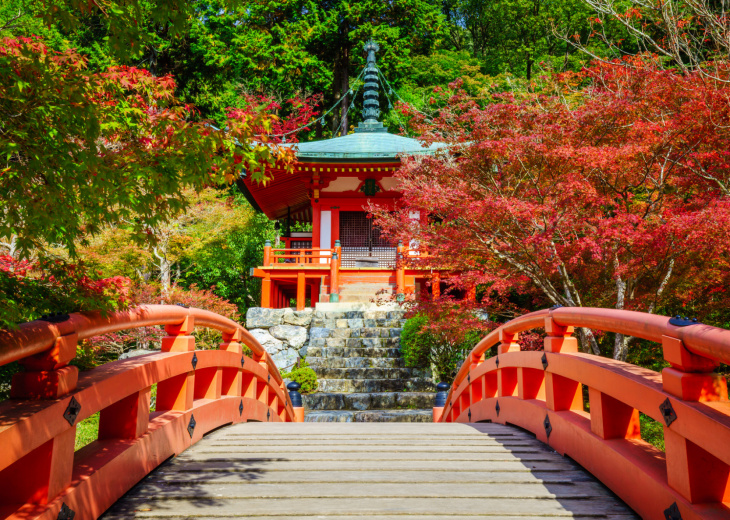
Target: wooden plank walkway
column 376, row 470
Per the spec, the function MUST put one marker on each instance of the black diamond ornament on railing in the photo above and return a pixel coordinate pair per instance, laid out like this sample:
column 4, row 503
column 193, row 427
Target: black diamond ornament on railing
column 672, row 512
column 72, row 411
column 469, row 414
column 268, row 414
column 496, row 361
column 243, row 359
column 544, row 361
column 194, row 361
column 240, row 408
column 497, row 408
column 191, row 425
column 547, row 425
column 66, row 513
column 668, row 412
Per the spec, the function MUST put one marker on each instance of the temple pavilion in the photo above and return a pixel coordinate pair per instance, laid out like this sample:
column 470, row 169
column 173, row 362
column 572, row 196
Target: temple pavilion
column 344, row 258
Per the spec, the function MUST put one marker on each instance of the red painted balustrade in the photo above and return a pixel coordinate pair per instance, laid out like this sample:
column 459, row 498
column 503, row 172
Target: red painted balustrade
column 542, row 392
column 197, row 390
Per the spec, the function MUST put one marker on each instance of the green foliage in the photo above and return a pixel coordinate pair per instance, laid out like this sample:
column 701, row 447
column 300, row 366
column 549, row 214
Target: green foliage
column 305, row 376
column 225, row 262
column 415, row 343
column 6, row 375
column 440, row 341
column 31, row 289
column 643, row 353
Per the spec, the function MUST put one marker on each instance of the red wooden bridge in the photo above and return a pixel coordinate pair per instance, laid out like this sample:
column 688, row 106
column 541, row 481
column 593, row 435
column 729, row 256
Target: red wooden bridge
column 531, row 393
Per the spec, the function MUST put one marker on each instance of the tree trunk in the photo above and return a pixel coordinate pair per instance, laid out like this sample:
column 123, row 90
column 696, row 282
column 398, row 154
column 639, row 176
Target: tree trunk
column 165, row 267
column 345, row 88
column 12, row 247
column 588, row 343
column 619, row 342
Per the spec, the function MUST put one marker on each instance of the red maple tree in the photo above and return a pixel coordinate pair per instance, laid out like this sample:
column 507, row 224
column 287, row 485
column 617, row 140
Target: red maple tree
column 610, row 188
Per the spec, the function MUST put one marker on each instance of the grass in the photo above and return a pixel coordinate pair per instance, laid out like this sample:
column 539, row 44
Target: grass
column 87, row 431
column 652, row 431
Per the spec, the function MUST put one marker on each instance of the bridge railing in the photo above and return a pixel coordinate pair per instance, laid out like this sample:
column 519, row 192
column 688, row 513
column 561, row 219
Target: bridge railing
column 41, row 476
column 543, row 392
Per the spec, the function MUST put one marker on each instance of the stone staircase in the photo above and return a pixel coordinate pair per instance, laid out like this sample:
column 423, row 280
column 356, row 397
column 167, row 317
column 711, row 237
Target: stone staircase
column 361, row 375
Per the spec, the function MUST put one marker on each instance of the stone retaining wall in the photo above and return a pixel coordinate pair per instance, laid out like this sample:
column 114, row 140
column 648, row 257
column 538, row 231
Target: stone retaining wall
column 284, row 333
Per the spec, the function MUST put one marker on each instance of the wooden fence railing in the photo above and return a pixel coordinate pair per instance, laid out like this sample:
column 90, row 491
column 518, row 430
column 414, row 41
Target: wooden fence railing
column 542, row 392
column 197, row 390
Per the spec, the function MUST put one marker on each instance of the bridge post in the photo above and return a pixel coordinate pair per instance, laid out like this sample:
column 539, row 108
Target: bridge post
column 692, row 471
column 561, row 393
column 232, row 380
column 612, row 419
column 507, row 377
column 48, row 375
column 296, row 400
column 177, row 393
column 47, row 470
column 442, row 393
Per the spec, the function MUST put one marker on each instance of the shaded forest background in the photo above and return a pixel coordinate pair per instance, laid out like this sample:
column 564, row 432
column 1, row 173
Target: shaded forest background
column 227, row 55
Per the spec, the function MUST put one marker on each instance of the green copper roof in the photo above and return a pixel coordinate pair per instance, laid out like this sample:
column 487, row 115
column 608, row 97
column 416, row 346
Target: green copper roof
column 363, row 145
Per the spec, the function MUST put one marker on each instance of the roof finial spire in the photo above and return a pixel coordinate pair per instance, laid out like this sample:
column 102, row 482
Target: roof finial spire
column 372, row 86
column 371, row 103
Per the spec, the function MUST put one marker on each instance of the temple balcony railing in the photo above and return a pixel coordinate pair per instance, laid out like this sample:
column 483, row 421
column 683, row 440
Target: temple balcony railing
column 288, row 273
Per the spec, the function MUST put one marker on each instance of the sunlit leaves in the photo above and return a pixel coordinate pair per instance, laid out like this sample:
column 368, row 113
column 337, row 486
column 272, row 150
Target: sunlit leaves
column 82, row 150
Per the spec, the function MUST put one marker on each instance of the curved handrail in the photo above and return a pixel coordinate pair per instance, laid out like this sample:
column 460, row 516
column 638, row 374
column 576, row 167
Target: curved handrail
column 38, row 336
column 197, row 391
column 541, row 392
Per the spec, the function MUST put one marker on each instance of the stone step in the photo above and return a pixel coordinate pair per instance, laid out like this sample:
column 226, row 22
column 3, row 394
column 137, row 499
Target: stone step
column 369, row 401
column 423, row 416
column 335, row 352
column 375, row 385
column 369, row 373
column 363, row 315
column 355, row 362
column 318, row 333
column 354, row 323
column 356, row 342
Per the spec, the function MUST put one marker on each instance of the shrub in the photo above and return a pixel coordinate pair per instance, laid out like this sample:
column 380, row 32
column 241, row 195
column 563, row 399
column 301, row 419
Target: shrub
column 415, row 345
column 305, row 376
column 442, row 335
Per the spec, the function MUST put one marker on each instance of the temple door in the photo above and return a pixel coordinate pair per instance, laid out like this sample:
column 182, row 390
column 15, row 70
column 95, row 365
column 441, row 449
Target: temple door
column 362, row 242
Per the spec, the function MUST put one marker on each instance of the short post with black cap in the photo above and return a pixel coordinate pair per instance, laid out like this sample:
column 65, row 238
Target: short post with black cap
column 296, row 401
column 442, row 393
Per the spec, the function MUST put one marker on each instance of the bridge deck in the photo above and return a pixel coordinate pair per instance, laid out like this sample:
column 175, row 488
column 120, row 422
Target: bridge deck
column 374, row 470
